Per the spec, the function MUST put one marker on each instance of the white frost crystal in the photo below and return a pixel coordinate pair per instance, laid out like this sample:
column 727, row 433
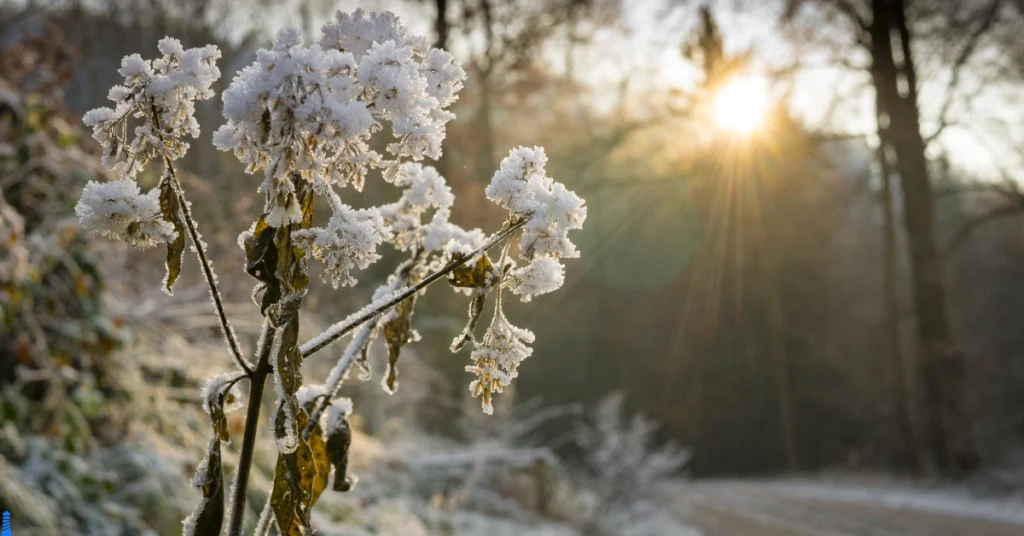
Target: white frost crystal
column 118, row 210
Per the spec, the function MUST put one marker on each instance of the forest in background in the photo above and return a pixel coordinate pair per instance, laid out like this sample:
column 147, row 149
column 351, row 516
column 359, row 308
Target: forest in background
column 839, row 291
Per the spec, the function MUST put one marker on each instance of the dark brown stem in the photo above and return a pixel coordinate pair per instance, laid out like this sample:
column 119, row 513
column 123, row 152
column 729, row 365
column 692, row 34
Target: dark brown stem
column 341, row 329
column 204, row 261
column 257, row 380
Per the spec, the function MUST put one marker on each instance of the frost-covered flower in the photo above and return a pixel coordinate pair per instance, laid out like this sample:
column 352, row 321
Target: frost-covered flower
column 161, row 93
column 424, row 189
column 356, row 33
column 349, row 242
column 542, row 275
column 118, row 210
column 522, row 186
column 295, row 111
column 496, row 358
column 311, row 111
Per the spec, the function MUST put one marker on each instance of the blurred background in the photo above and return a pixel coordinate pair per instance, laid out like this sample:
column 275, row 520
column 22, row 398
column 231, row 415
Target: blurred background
column 804, row 260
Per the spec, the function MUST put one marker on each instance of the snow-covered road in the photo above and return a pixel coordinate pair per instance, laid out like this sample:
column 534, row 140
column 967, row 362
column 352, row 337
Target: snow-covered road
column 782, row 509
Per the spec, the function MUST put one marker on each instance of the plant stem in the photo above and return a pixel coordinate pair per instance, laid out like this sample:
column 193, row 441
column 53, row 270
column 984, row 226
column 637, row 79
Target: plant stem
column 342, row 328
column 211, row 280
column 257, row 379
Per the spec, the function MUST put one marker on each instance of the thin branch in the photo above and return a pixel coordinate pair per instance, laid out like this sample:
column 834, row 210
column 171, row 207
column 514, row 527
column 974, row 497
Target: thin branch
column 257, row 380
column 211, row 279
column 989, row 18
column 968, row 228
column 340, row 329
column 333, row 384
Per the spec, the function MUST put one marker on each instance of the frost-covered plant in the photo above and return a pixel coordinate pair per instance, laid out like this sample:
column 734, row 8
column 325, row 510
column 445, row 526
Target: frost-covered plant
column 624, row 464
column 305, row 117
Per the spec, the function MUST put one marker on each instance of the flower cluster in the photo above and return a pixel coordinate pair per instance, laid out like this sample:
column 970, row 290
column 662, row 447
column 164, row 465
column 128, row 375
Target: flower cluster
column 497, row 357
column 349, row 242
column 308, row 113
column 118, row 210
column 522, row 186
column 162, row 93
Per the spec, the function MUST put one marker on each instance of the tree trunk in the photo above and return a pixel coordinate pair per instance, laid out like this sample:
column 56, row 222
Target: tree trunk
column 905, row 393
column 941, row 366
column 441, row 24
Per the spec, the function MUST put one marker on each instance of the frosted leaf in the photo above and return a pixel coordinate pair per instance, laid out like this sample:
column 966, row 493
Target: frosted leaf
column 542, row 275
column 118, row 210
column 307, row 394
column 216, row 393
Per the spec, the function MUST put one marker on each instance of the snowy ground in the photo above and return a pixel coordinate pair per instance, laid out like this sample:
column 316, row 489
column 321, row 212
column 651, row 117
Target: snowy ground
column 813, row 508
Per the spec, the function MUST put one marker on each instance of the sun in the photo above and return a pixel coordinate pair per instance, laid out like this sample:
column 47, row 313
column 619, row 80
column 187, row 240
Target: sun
column 741, row 104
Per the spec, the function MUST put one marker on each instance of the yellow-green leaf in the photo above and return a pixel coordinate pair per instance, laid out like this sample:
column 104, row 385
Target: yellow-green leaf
column 480, row 274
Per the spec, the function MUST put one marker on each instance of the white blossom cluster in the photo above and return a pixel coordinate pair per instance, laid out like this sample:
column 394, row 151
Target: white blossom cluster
column 161, row 94
column 118, row 210
column 424, row 190
column 308, row 113
column 348, row 243
column 522, row 186
column 497, row 357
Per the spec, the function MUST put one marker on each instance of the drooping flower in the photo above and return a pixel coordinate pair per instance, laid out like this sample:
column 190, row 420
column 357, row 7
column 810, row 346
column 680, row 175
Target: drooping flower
column 496, row 358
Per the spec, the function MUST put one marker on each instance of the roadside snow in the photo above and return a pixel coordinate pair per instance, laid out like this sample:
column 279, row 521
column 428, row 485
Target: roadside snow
column 946, row 500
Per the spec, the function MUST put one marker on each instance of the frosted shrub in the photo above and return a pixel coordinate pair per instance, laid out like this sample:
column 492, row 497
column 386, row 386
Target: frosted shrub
column 303, row 118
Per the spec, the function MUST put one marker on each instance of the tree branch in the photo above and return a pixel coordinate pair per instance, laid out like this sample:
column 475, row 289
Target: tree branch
column 988, row 19
column 968, row 228
column 340, row 329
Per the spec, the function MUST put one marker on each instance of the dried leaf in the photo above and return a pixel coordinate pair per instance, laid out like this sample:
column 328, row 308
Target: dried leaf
column 170, row 209
column 363, row 361
column 397, row 332
column 277, row 263
column 299, row 479
column 339, row 440
column 261, row 261
column 287, row 364
column 480, row 274
column 208, row 515
column 476, row 308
